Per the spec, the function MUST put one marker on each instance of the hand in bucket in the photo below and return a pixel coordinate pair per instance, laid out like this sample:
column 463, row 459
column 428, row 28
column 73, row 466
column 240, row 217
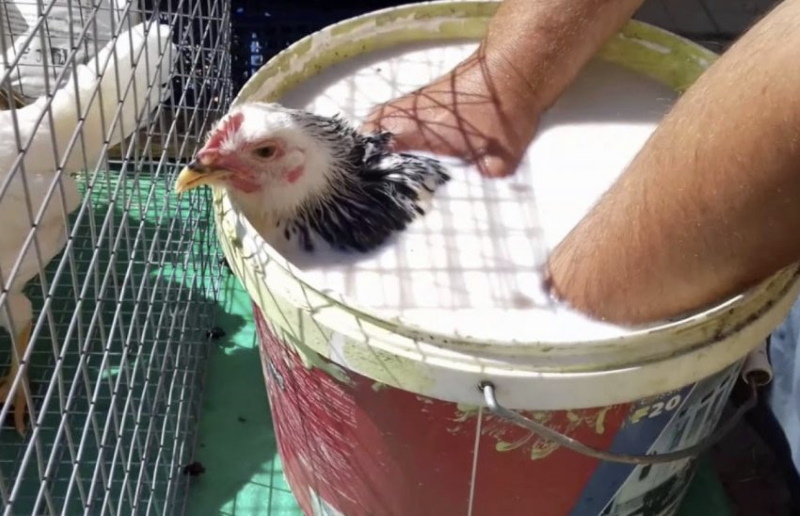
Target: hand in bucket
column 472, row 113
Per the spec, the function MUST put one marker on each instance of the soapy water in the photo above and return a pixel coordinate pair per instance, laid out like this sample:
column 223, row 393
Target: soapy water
column 472, row 267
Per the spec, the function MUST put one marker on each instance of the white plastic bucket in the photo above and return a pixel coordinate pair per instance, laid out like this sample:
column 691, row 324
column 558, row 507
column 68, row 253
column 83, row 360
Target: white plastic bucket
column 385, row 417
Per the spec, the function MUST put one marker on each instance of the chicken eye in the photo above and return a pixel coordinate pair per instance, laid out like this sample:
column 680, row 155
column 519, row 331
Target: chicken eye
column 265, row 152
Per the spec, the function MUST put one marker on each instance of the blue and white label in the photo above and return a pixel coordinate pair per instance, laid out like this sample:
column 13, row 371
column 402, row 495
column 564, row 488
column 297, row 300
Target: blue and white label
column 665, row 423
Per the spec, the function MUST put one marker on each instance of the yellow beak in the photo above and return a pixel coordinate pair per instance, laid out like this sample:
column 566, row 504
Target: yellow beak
column 196, row 174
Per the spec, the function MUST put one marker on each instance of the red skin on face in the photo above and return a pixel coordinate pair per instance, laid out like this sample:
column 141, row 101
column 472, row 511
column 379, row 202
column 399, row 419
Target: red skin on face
column 293, row 175
column 241, row 177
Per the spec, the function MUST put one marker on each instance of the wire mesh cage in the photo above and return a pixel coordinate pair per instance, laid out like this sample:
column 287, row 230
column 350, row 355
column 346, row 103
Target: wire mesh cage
column 108, row 280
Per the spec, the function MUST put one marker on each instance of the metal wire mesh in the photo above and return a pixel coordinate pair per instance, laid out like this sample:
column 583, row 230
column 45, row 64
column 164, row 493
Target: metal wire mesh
column 122, row 283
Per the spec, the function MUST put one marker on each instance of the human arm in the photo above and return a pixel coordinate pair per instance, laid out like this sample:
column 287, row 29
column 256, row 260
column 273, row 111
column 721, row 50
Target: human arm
column 486, row 110
column 711, row 204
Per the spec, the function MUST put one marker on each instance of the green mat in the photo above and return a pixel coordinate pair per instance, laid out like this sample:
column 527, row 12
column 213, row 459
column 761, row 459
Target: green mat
column 237, row 444
column 117, row 352
column 236, row 441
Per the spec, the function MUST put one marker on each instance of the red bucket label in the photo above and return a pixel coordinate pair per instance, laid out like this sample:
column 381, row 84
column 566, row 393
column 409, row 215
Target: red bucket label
column 358, row 448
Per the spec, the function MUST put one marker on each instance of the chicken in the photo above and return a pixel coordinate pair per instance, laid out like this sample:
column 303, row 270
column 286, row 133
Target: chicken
column 308, row 180
column 26, row 178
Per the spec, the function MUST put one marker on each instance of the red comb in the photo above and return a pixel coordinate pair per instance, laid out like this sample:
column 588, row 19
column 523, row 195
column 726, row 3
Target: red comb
column 229, row 126
column 207, row 156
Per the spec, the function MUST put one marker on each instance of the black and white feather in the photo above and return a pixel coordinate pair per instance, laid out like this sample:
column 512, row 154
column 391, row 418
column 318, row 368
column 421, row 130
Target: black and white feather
column 373, row 192
column 356, row 192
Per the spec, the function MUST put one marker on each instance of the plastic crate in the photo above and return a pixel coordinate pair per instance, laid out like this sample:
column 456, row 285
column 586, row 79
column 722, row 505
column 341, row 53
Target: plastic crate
column 259, row 31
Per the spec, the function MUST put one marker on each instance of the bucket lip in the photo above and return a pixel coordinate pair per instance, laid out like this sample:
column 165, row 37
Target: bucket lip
column 636, row 338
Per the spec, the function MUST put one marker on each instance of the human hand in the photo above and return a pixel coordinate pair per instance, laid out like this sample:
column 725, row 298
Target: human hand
column 480, row 112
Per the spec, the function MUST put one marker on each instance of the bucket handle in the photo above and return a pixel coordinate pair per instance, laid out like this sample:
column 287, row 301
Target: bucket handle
column 488, row 390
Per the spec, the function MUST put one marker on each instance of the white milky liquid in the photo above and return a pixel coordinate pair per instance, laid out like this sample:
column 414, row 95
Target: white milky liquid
column 472, row 266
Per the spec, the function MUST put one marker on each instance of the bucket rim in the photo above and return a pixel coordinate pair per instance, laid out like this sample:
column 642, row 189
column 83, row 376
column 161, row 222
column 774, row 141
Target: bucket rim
column 698, row 327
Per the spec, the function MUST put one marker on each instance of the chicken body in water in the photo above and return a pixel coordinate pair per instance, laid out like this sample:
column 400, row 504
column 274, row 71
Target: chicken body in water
column 308, row 180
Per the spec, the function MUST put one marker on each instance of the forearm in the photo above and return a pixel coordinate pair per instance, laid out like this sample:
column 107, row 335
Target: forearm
column 711, row 204
column 540, row 46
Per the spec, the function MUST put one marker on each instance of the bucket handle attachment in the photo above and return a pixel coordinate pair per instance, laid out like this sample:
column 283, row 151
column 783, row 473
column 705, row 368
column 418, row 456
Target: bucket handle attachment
column 488, row 390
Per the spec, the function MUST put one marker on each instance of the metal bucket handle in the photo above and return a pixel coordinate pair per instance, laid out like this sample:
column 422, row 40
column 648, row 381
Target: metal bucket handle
column 488, row 390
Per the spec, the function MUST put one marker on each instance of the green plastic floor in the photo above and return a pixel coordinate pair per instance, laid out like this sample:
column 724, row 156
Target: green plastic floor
column 237, row 444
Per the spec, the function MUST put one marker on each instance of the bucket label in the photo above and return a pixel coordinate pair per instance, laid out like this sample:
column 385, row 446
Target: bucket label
column 664, row 423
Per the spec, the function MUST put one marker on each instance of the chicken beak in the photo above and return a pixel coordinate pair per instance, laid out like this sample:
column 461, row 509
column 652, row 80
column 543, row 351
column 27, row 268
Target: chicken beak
column 196, row 174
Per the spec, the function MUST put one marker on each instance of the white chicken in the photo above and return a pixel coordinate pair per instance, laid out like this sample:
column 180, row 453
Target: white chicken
column 114, row 102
